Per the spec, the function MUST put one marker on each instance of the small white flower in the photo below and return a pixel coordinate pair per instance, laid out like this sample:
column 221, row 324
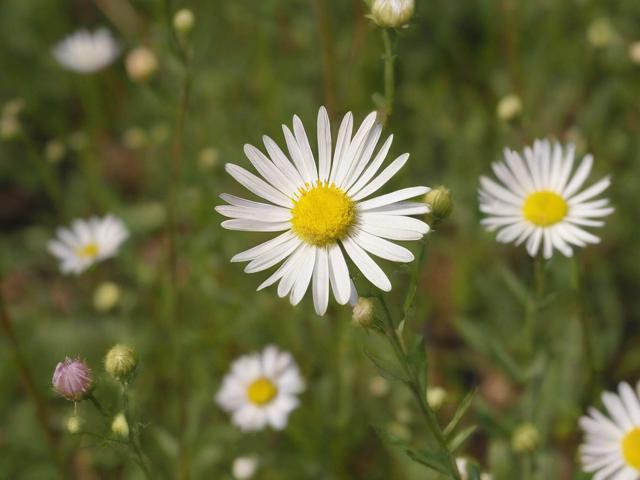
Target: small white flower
column 538, row 201
column 462, row 462
column 261, row 390
column 322, row 210
column 244, row 468
column 611, row 447
column 86, row 52
column 87, row 242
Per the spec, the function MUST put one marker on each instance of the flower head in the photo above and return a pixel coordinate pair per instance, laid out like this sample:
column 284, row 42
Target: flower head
column 322, row 210
column 72, row 379
column 183, row 21
column 87, row 242
column 120, row 362
column 261, row 390
column 538, row 200
column 392, row 13
column 86, row 52
column 611, row 447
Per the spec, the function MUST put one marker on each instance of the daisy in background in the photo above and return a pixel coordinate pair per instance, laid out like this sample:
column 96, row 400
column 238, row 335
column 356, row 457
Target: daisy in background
column 87, row 242
column 538, row 199
column 322, row 208
column 86, row 52
column 611, row 448
column 261, row 390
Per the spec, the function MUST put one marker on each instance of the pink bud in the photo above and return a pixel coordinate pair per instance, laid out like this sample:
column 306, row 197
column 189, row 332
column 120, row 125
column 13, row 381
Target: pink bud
column 72, row 379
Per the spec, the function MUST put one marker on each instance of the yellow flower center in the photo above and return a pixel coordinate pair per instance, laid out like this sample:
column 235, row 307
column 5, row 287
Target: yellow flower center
column 261, row 391
column 90, row 250
column 631, row 448
column 323, row 214
column 544, row 208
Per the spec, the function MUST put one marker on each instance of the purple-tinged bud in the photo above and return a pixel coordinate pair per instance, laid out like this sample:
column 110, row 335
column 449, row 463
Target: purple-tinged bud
column 72, row 379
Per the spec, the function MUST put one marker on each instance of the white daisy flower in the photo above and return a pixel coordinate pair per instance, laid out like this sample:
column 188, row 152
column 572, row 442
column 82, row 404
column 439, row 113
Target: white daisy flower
column 87, row 242
column 261, row 390
column 538, row 201
column 611, row 447
column 86, row 52
column 322, row 210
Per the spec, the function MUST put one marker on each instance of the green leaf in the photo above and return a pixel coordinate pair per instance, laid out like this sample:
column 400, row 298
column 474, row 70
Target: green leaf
column 515, row 285
column 458, row 440
column 417, row 359
column 385, row 368
column 435, row 460
column 459, row 413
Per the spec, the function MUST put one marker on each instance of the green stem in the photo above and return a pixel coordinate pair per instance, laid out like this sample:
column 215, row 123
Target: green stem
column 133, row 435
column 91, row 397
column 389, row 73
column 587, row 332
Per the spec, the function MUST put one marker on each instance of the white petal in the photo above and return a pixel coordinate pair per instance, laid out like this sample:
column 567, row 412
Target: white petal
column 305, row 148
column 255, row 226
column 397, row 196
column 393, row 221
column 281, row 161
column 274, row 256
column 382, row 248
column 303, row 277
column 366, row 265
column 321, row 281
column 258, row 186
column 383, row 178
column 258, row 250
column 403, row 208
column 269, row 171
column 591, row 192
column 342, row 144
column 355, row 147
column 266, row 213
column 579, row 177
column 324, row 144
column 338, row 274
column 372, row 168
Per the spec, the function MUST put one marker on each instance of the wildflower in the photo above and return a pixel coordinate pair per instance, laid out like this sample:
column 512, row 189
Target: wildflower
column 106, row 296
column 392, row 13
column 525, row 438
column 538, row 201
column 54, row 151
column 72, row 379
column 120, row 362
column 509, row 107
column 9, row 127
column 13, row 108
column 261, row 390
column 611, row 447
column 244, row 468
column 141, row 64
column 436, row 397
column 183, row 21
column 634, row 52
column 120, row 426
column 439, row 199
column 87, row 242
column 86, row 52
column 363, row 312
column 321, row 208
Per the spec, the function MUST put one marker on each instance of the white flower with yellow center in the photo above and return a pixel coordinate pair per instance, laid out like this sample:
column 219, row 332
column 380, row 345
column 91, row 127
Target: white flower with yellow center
column 322, row 210
column 538, row 200
column 611, row 447
column 87, row 242
column 261, row 390
column 86, row 52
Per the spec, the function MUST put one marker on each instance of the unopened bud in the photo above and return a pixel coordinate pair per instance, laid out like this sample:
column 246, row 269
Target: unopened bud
column 120, row 426
column 74, row 424
column 208, row 158
column 9, row 127
column 392, row 13
column 378, row 386
column 525, row 438
column 120, row 362
column 134, row 138
column 509, row 107
column 13, row 108
column 439, row 198
column 436, row 397
column 363, row 312
column 183, row 21
column 106, row 296
column 141, row 64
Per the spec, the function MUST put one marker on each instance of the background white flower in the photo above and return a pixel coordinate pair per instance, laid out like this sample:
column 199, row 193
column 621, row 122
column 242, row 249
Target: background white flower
column 244, row 468
column 538, row 201
column 261, row 390
column 87, row 242
column 86, row 52
column 322, row 207
column 611, row 447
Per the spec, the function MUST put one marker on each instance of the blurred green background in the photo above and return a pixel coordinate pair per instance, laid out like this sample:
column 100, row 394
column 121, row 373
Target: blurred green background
column 255, row 64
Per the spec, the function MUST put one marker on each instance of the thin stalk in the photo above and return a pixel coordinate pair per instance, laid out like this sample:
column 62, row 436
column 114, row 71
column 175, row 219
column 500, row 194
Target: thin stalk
column 26, row 377
column 587, row 331
column 389, row 72
column 133, row 435
column 91, row 397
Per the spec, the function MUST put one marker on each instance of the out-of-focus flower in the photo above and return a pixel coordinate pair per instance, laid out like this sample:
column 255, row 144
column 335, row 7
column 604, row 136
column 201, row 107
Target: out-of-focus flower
column 9, row 127
column 74, row 424
column 13, row 108
column 106, row 296
column 261, row 390
column 78, row 140
column 141, row 64
column 392, row 13
column 509, row 107
column 87, row 242
column 183, row 21
column 120, row 362
column 208, row 158
column 322, row 210
column 538, row 200
column 525, row 438
column 72, row 379
column 634, row 52
column 54, row 150
column 134, row 138
column 378, row 386
column 120, row 426
column 601, row 33
column 436, row 397
column 611, row 447
column 244, row 468
column 363, row 312
column 86, row 52
column 440, row 202
column 462, row 464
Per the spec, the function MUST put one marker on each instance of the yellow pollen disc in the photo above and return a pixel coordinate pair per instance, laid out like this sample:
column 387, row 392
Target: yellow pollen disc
column 323, row 214
column 631, row 448
column 261, row 391
column 90, row 250
column 544, row 208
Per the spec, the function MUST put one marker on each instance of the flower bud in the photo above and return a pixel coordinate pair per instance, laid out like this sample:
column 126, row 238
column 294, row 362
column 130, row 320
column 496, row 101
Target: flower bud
column 392, row 13
column 509, row 107
column 183, row 21
column 120, row 362
column 119, row 426
column 436, row 397
column 74, row 424
column 439, row 198
column 106, row 296
column 78, row 140
column 363, row 312
column 378, row 386
column 244, row 468
column 141, row 64
column 600, row 33
column 208, row 158
column 72, row 379
column 54, row 151
column 634, row 52
column 525, row 438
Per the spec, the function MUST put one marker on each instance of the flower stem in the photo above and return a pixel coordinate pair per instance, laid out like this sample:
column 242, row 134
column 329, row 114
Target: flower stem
column 587, row 332
column 133, row 435
column 389, row 72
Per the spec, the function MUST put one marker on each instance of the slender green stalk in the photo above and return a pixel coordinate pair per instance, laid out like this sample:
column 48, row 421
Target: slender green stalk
column 389, row 72
column 587, row 332
column 91, row 397
column 134, row 435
